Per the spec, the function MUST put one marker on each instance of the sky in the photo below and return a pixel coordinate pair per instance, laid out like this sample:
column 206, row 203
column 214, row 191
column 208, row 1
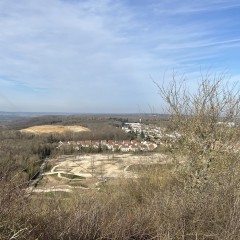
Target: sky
column 103, row 56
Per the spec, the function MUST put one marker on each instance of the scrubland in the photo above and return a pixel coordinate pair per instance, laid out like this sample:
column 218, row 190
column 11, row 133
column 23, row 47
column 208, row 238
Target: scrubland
column 163, row 203
column 196, row 196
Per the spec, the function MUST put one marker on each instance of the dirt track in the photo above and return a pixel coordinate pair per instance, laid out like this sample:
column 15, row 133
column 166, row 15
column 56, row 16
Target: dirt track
column 93, row 169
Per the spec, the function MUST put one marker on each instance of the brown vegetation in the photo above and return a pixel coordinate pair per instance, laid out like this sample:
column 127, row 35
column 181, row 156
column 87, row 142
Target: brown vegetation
column 195, row 200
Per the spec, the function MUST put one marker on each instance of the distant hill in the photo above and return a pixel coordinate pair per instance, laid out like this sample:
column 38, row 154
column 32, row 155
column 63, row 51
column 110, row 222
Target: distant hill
column 20, row 120
column 9, row 117
column 31, row 114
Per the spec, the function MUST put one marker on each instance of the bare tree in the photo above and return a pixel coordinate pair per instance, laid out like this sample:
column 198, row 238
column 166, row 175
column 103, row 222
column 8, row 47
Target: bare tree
column 204, row 121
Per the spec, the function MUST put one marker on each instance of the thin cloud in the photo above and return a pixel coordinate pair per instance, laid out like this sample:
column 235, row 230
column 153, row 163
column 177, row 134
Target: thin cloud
column 190, row 7
column 97, row 54
column 193, row 45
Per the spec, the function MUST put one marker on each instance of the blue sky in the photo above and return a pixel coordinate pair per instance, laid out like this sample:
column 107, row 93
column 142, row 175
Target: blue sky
column 100, row 56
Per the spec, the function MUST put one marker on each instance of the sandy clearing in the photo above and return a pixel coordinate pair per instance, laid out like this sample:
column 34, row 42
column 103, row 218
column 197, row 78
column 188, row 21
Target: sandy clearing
column 95, row 168
column 100, row 165
column 54, row 129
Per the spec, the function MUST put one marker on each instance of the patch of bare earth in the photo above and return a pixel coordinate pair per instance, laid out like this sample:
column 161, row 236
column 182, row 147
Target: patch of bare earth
column 54, row 129
column 86, row 172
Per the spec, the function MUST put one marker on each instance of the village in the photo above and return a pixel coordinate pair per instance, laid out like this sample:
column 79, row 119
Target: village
column 110, row 145
column 146, row 138
column 149, row 132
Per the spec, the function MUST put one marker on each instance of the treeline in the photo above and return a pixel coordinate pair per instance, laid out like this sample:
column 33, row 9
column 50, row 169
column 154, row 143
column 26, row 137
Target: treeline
column 22, row 154
column 88, row 120
column 83, row 120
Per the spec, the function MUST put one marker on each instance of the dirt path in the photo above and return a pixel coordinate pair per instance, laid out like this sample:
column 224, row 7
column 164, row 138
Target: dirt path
column 100, row 167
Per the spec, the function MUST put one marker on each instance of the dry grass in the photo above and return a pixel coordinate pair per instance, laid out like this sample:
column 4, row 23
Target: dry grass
column 144, row 208
column 54, row 129
column 198, row 199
